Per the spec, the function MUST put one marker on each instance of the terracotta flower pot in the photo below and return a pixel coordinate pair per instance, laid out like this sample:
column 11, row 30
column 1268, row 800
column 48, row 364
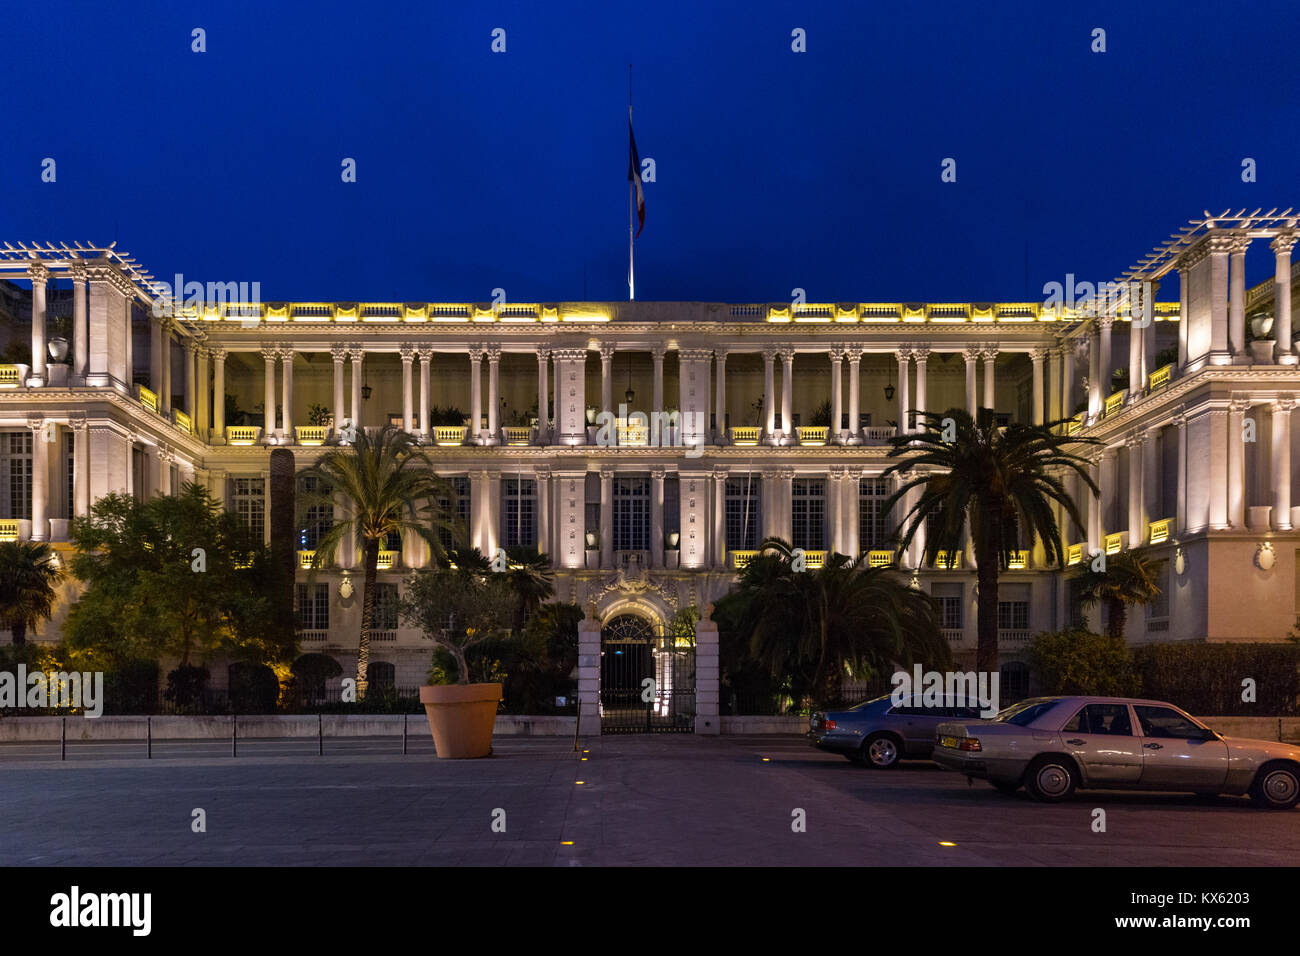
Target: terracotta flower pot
column 461, row 718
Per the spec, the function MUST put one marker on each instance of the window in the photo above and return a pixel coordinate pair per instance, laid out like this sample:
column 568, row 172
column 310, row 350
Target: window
column 458, row 504
column 248, row 501
column 1013, row 607
column 1026, row 712
column 317, row 519
column 385, row 618
column 519, row 512
column 16, row 472
column 808, row 513
column 69, row 481
column 1074, row 602
column 1168, row 723
column 873, row 517
column 631, row 514
column 948, row 597
column 1111, row 719
column 314, row 607
column 744, row 513
column 1159, row 606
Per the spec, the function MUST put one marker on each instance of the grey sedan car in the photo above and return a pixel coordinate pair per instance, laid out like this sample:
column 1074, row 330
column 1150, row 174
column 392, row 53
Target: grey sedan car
column 1051, row 745
column 878, row 733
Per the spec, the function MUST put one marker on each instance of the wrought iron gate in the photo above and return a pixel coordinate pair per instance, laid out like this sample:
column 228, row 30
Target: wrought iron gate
column 647, row 682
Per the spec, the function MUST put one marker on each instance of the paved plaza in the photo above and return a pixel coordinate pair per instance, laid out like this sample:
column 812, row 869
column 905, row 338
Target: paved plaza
column 644, row 800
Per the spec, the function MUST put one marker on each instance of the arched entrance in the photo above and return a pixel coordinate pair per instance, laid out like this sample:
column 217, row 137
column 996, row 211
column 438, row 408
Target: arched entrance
column 647, row 680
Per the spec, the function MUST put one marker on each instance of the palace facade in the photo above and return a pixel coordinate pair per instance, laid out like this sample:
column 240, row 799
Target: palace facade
column 648, row 447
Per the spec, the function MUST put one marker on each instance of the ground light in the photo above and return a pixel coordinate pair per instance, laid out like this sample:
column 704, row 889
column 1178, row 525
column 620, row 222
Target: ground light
column 946, row 843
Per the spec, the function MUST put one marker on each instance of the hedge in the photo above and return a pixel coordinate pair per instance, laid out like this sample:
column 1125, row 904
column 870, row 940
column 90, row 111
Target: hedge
column 1207, row 679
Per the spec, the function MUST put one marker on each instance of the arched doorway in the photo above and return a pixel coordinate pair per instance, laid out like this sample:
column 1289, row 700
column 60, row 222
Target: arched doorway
column 647, row 680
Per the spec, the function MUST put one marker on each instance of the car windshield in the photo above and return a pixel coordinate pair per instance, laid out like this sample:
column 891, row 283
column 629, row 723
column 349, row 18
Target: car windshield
column 1025, row 712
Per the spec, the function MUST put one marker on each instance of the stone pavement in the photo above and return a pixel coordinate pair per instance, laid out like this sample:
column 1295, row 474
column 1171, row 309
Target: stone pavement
column 643, row 800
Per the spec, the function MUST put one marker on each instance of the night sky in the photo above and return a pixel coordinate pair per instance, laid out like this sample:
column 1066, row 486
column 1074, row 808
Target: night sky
column 775, row 169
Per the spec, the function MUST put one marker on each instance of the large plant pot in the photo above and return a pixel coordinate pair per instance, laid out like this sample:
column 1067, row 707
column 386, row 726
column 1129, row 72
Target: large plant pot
column 461, row 718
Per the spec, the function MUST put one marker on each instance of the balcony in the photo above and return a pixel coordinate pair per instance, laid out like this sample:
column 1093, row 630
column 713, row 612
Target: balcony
column 1159, row 377
column 1017, row 560
column 745, row 435
column 953, row 635
column 306, row 559
column 1114, row 543
column 1114, row 403
column 814, row 559
column 9, row 529
column 947, row 560
column 313, row 637
column 1074, row 424
column 1159, row 530
column 878, row 435
column 517, row 435
column 633, row 434
column 447, row 436
column 1074, row 554
column 386, row 560
column 385, row 636
column 812, row 435
column 10, row 376
column 1013, row 638
column 880, row 559
column 147, row 398
column 243, row 434
column 182, row 421
column 311, row 434
column 741, row 558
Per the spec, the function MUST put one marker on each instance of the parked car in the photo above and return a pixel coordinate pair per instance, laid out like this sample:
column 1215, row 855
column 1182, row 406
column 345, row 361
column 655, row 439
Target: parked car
column 877, row 733
column 1051, row 745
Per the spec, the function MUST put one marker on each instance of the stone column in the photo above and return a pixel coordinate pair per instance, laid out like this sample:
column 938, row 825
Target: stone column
column 191, row 406
column 80, row 467
column 785, row 502
column 1237, row 298
column 1068, row 378
column 407, row 352
column 656, row 517
column 720, row 396
column 1094, row 376
column 1219, row 248
column 1055, row 392
column 165, row 393
column 40, row 275
column 606, row 379
column 1149, row 331
column 218, row 396
column 80, row 324
column 204, row 401
column 1281, row 462
column 606, row 517
column 1136, row 525
column 1281, row 246
column 494, row 395
column 1183, row 318
column 657, row 397
column 707, row 675
column 1105, row 364
column 1107, row 483
column 837, row 396
column 719, row 525
column 1150, row 476
column 971, row 357
column 834, row 509
column 1180, row 423
column 556, row 391
column 156, row 333
column 268, row 392
column 357, row 354
column 339, row 354
column 990, row 389
column 1136, row 381
column 921, row 354
column 426, row 357
column 589, row 673
column 542, row 475
column 904, row 402
column 769, row 505
column 851, row 517
column 1221, row 434
column 769, row 395
column 286, row 364
column 42, row 435
column 855, row 395
column 543, row 396
column 1236, row 462
column 570, row 392
column 1037, row 357
column 787, row 396
column 476, row 395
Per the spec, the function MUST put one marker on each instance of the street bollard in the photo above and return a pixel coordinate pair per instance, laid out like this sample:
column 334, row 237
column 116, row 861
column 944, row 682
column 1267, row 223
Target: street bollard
column 234, row 735
column 404, row 719
column 320, row 735
column 148, row 736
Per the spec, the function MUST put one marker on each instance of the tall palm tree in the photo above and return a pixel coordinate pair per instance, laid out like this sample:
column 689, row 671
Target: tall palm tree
column 387, row 485
column 813, row 625
column 28, row 575
column 1128, row 578
column 531, row 577
column 993, row 480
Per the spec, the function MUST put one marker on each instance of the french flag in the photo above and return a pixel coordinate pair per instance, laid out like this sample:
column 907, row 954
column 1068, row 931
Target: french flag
column 634, row 175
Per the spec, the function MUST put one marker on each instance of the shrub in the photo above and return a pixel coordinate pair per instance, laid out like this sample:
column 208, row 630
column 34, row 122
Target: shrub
column 254, row 689
column 132, row 688
column 186, row 684
column 1206, row 679
column 1076, row 661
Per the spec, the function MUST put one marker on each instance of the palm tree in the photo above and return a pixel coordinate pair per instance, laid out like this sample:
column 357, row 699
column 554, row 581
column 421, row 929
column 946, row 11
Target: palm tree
column 387, row 486
column 28, row 575
column 1127, row 578
column 530, row 575
column 996, row 480
column 815, row 625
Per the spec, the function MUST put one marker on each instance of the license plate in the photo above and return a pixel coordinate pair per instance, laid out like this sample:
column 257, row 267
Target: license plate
column 949, row 742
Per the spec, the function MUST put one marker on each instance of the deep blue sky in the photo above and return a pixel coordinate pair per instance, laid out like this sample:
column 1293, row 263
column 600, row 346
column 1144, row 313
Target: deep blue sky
column 775, row 170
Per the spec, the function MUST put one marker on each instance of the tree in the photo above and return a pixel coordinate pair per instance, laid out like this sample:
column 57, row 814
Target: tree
column 387, row 487
column 814, row 626
column 1124, row 579
column 1075, row 661
column 29, row 573
column 459, row 609
column 171, row 576
column 994, row 480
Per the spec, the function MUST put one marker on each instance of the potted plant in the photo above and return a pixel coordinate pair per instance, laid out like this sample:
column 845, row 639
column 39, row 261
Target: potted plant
column 457, row 609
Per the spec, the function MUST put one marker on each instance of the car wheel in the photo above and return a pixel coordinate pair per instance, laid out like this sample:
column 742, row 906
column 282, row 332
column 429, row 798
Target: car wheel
column 881, row 751
column 1003, row 786
column 1050, row 779
column 1276, row 787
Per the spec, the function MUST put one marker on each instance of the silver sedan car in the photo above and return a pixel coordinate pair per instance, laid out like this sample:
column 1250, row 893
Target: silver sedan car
column 1051, row 745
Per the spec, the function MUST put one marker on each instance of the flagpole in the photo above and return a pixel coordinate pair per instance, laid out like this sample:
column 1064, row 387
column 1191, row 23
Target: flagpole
column 631, row 203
